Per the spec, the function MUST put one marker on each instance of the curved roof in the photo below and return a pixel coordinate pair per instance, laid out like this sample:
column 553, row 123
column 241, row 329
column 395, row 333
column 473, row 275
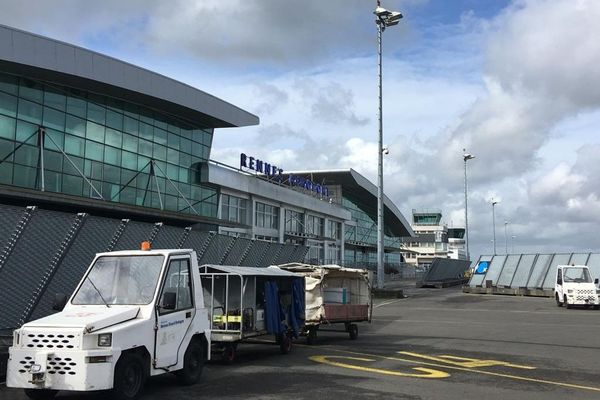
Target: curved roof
column 367, row 191
column 51, row 60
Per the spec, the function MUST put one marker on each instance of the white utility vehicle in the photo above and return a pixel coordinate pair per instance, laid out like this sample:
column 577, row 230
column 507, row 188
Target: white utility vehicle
column 574, row 287
column 134, row 314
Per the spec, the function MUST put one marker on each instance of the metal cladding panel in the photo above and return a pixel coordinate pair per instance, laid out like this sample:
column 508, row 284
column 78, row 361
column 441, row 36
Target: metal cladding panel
column 275, row 249
column 521, row 275
column 285, row 254
column 299, row 254
column 445, row 269
column 593, row 263
column 93, row 237
column 28, row 261
column 216, row 250
column 477, row 279
column 559, row 259
column 167, row 237
column 257, row 254
column 135, row 233
column 197, row 240
column 9, row 216
column 235, row 255
column 508, row 272
column 539, row 271
column 495, row 269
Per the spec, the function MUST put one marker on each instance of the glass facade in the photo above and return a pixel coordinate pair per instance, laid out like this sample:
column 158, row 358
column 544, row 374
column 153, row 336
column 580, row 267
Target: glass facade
column 267, row 216
column 365, row 231
column 314, row 225
column 107, row 140
column 233, row 208
column 294, row 221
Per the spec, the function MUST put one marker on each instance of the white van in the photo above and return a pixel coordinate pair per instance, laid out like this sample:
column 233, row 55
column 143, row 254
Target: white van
column 574, row 286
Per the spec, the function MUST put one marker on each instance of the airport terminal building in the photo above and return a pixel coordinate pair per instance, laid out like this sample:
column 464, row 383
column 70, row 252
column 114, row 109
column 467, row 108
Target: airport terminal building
column 97, row 154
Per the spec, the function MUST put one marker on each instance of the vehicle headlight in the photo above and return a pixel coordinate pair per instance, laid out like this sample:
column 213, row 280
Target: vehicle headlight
column 105, row 340
column 569, row 290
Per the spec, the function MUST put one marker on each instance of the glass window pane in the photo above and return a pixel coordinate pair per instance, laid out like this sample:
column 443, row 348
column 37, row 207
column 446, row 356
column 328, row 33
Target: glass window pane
column 96, row 113
column 143, row 163
column 75, row 125
column 6, row 146
column 8, row 105
column 184, row 175
column 130, row 143
column 9, row 83
column 76, row 106
column 114, row 120
column 54, row 119
column 112, row 155
column 27, row 155
column 129, row 160
column 7, row 127
column 131, row 126
column 145, row 148
column 26, row 131
column 53, row 181
column 93, row 150
column 72, row 185
column 55, row 100
column 74, row 145
column 30, row 112
column 185, row 145
column 172, row 172
column 24, row 176
column 95, row 132
column 54, row 140
column 68, row 167
column 113, row 137
column 31, row 90
column 146, row 131
column 160, row 136
column 6, row 170
column 112, row 174
column 173, row 156
column 173, row 141
column 159, row 123
column 160, row 152
column 53, row 160
column 197, row 149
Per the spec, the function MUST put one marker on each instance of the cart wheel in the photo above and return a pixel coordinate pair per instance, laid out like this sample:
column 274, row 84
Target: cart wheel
column 228, row 355
column 311, row 336
column 353, row 331
column 285, row 343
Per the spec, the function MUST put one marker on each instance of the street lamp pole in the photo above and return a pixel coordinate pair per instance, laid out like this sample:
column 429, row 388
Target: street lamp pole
column 467, row 157
column 505, row 237
column 384, row 18
column 494, row 202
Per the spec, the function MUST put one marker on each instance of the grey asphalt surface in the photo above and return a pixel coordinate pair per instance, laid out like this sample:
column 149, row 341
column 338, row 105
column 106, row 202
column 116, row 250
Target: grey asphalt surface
column 464, row 347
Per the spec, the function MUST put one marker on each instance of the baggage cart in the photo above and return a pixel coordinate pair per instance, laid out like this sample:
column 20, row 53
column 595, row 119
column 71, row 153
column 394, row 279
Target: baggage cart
column 247, row 302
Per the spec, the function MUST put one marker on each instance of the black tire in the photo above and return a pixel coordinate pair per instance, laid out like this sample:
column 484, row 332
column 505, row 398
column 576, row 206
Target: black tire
column 285, row 343
column 193, row 363
column 558, row 303
column 566, row 302
column 130, row 377
column 353, row 331
column 41, row 394
column 311, row 336
column 229, row 353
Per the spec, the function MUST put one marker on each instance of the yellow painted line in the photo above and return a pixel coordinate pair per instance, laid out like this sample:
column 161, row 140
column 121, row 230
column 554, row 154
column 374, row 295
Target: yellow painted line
column 475, row 371
column 466, row 362
column 426, row 372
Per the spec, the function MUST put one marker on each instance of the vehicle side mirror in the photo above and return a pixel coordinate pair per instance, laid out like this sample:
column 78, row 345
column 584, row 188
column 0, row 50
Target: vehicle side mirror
column 60, row 301
column 596, row 281
column 169, row 301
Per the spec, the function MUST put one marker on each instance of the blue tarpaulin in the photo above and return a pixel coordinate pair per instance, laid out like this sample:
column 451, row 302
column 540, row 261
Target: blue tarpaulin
column 296, row 315
column 274, row 314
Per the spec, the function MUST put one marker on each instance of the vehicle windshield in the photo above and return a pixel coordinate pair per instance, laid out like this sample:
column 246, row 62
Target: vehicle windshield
column 120, row 280
column 579, row 275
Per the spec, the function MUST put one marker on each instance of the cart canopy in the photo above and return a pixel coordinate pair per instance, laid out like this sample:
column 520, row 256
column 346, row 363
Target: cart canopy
column 249, row 271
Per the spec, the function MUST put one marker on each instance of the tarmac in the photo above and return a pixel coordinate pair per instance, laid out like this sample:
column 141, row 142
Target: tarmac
column 433, row 344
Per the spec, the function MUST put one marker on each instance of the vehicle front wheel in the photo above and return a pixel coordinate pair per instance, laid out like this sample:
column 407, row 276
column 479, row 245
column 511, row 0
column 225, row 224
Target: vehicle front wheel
column 40, row 394
column 130, row 377
column 311, row 336
column 229, row 353
column 566, row 302
column 193, row 363
column 558, row 303
column 353, row 331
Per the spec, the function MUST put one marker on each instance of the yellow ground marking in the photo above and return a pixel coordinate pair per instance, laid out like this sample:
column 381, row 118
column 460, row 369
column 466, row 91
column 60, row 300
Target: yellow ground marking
column 466, row 362
column 475, row 371
column 426, row 372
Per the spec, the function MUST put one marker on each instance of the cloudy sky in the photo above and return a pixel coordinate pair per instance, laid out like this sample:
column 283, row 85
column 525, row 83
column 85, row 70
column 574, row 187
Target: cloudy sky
column 514, row 82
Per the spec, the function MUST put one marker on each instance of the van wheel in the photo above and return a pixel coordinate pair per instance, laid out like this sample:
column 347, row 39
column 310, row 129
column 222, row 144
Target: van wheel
column 566, row 302
column 229, row 353
column 311, row 336
column 130, row 377
column 193, row 363
column 40, row 394
column 558, row 303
